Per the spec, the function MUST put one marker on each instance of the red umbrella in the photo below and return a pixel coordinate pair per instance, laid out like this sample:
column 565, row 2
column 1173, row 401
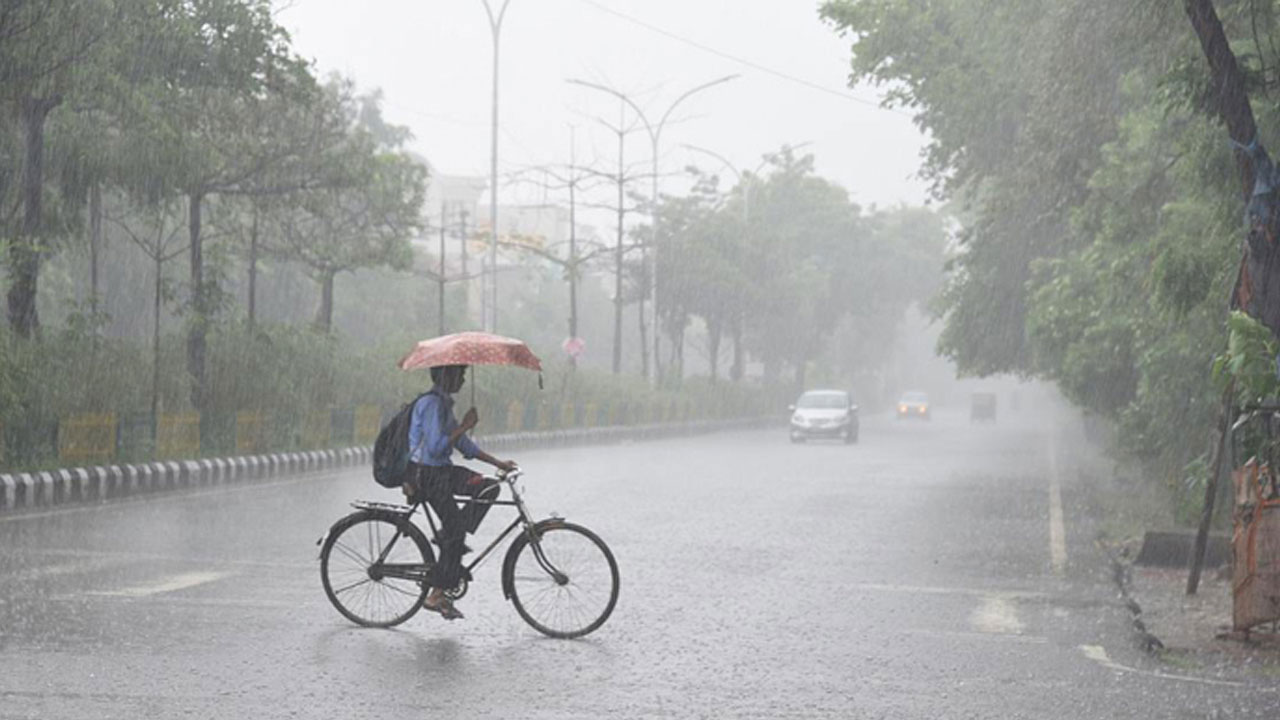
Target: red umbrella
column 470, row 348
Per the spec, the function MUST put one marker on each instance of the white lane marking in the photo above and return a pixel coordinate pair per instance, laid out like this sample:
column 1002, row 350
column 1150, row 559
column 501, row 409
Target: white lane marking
column 997, row 616
column 1057, row 532
column 170, row 584
column 928, row 590
column 960, row 634
column 179, row 600
column 1098, row 654
column 128, row 555
column 67, row 568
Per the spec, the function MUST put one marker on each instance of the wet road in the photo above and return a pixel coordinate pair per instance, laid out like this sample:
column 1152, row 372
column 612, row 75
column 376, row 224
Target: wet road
column 932, row 571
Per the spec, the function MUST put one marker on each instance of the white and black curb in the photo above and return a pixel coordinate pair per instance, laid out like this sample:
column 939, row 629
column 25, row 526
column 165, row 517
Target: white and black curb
column 20, row 491
column 99, row 483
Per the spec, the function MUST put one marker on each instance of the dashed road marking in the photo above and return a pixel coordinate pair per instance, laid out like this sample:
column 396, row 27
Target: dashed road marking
column 996, row 616
column 132, row 556
column 934, row 590
column 1098, row 654
column 169, row 584
column 75, row 567
column 963, row 635
column 1057, row 531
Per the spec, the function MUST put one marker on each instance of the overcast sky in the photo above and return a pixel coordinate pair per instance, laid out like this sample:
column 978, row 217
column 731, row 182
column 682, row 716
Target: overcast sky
column 432, row 59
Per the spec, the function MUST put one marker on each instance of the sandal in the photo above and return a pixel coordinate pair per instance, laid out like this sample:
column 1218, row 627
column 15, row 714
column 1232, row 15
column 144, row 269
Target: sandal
column 444, row 608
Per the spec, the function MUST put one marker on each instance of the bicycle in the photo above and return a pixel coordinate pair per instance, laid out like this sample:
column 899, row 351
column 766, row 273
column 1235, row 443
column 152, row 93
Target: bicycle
column 561, row 577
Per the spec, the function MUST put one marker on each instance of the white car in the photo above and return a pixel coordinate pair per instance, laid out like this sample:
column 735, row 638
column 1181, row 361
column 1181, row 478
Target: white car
column 824, row 414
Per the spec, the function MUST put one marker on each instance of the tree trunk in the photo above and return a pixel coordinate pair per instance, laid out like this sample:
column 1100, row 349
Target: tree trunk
column 571, row 268
column 644, row 341
column 253, row 268
column 324, row 315
column 617, row 261
column 772, row 369
column 1257, row 287
column 26, row 254
column 714, row 330
column 736, row 369
column 197, row 333
column 1218, row 453
column 677, row 350
column 155, row 347
column 1227, row 82
column 95, row 243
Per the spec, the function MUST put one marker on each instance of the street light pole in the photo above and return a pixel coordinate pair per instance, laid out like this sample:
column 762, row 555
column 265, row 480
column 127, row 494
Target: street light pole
column 742, row 175
column 655, row 137
column 495, row 30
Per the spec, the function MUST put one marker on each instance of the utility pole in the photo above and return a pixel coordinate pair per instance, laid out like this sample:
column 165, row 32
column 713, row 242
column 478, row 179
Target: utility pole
column 444, row 221
column 573, row 241
column 462, row 257
column 655, row 138
column 495, row 30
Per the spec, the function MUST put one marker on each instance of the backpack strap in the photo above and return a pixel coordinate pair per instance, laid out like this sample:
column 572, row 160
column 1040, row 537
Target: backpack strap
column 413, row 408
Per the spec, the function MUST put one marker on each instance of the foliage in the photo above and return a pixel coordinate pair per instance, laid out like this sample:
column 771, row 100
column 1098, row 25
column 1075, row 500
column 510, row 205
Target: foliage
column 1250, row 359
column 789, row 258
column 1100, row 218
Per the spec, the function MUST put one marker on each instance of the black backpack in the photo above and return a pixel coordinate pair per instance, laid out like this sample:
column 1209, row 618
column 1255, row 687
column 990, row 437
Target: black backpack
column 391, row 449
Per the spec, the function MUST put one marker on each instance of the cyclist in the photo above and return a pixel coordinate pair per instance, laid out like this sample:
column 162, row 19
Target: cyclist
column 432, row 476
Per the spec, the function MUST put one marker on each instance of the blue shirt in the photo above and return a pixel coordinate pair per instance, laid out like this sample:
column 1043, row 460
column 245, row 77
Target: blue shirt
column 430, row 426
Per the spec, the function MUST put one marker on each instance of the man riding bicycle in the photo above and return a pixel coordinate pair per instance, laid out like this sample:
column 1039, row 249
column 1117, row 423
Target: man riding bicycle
column 434, row 433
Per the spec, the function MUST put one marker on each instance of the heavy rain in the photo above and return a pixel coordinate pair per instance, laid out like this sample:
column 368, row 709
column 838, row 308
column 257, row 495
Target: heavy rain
column 609, row 358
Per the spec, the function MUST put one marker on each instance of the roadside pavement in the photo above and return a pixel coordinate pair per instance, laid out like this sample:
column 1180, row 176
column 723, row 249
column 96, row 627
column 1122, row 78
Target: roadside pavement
column 1194, row 631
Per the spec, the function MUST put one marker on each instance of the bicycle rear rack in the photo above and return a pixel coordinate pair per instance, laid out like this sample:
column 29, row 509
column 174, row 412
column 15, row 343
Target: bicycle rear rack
column 383, row 507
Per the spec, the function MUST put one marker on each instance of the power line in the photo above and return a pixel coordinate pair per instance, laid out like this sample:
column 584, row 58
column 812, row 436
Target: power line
column 740, row 60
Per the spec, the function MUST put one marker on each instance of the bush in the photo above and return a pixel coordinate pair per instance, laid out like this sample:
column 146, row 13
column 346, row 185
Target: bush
column 293, row 376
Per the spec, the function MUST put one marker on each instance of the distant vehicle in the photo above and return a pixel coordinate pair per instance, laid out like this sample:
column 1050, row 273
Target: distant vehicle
column 982, row 407
column 914, row 404
column 824, row 414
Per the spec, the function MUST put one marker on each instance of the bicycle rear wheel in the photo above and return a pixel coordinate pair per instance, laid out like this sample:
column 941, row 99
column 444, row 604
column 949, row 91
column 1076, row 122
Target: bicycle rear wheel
column 565, row 584
column 372, row 566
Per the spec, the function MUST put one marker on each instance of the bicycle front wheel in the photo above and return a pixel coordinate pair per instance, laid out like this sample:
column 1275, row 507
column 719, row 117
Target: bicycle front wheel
column 564, row 583
column 373, row 566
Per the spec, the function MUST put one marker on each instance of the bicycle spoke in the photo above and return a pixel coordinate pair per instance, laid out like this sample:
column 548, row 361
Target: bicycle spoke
column 578, row 605
column 356, row 584
column 367, row 544
column 389, row 586
column 365, row 562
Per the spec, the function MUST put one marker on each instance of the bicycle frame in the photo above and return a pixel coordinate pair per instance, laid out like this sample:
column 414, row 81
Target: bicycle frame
column 523, row 519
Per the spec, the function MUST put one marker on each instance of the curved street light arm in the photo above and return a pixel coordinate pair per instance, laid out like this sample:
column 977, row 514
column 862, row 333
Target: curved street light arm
column 725, row 161
column 621, row 96
column 495, row 23
column 682, row 98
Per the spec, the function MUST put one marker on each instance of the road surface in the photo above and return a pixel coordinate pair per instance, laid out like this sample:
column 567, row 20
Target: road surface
column 933, row 570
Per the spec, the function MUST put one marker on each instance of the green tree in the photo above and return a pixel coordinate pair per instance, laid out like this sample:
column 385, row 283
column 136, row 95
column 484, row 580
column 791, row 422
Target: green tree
column 362, row 215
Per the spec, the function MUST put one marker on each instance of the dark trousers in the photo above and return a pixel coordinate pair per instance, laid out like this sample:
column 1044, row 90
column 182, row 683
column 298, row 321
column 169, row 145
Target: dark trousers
column 438, row 486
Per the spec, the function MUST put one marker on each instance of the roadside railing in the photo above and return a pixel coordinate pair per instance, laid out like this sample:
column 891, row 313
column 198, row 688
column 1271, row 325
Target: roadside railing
column 103, row 438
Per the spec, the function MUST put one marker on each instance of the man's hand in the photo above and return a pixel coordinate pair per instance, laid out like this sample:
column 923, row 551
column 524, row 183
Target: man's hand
column 505, row 465
column 469, row 420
